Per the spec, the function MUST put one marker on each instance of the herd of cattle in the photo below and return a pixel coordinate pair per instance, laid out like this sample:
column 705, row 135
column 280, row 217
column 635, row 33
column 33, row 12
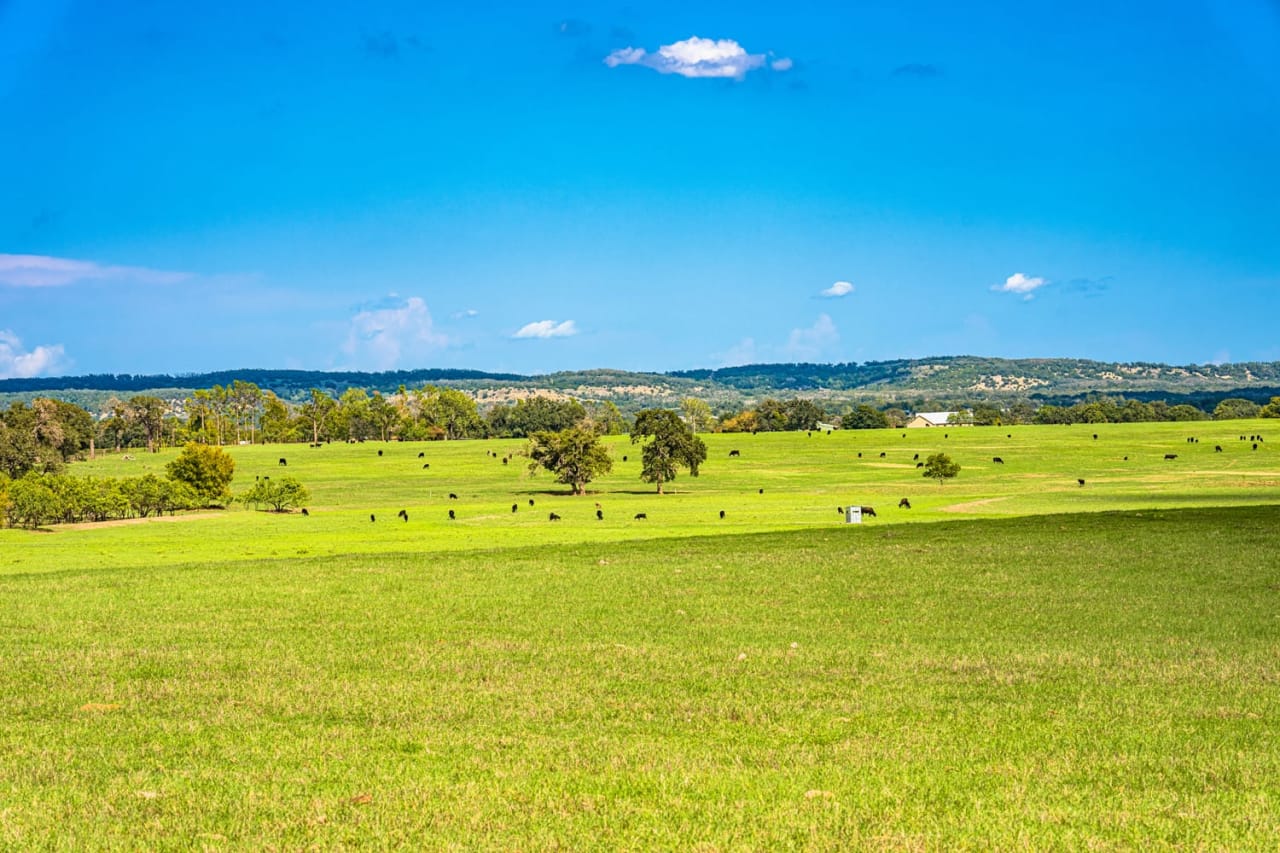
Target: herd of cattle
column 866, row 511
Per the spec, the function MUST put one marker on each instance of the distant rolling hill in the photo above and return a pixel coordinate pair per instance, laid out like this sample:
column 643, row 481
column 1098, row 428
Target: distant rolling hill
column 946, row 380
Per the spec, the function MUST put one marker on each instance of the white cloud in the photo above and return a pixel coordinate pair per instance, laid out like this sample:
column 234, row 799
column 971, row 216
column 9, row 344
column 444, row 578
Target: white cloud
column 46, row 271
column 379, row 338
column 783, row 64
column 840, row 288
column 466, row 315
column 547, row 329
column 1021, row 283
column 743, row 352
column 16, row 363
column 696, row 57
column 813, row 343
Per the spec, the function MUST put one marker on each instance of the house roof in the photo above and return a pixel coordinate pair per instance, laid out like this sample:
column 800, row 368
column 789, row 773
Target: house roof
column 935, row 418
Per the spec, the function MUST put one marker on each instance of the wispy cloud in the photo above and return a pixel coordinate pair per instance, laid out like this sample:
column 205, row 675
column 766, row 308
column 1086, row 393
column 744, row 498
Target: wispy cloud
column 1021, row 283
column 18, row 363
column 697, row 57
column 547, row 329
column 46, row 271
column 917, row 69
column 840, row 288
column 465, row 315
column 813, row 343
column 379, row 338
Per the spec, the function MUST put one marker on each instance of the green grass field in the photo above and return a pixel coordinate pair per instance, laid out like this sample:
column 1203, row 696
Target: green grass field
column 1044, row 666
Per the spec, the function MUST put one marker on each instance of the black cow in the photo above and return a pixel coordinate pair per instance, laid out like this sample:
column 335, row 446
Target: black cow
column 624, row 459
column 722, row 513
column 283, row 461
column 553, row 517
column 1126, row 459
column 859, row 454
column 451, row 515
column 882, row 455
column 762, row 490
column 1081, row 482
column 505, row 460
column 372, row 517
column 379, row 452
column 1008, row 435
column 997, row 460
column 530, row 501
column 422, row 455
column 916, row 457
column 452, row 496
column 1095, row 436
column 599, row 515
column 868, row 511
column 904, row 504
column 304, row 511
column 426, row 465
column 640, row 515
column 515, row 507
column 1255, row 445
column 734, row 453
column 1217, row 448
column 919, row 464
column 403, row 514
column 840, row 510
column 1171, row 456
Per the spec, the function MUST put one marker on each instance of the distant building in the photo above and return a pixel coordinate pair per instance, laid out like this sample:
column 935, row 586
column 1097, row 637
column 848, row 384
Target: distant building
column 931, row 419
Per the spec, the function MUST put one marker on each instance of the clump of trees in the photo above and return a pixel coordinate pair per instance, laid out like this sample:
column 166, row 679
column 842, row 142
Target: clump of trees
column 281, row 495
column 574, row 455
column 206, row 470
column 669, row 445
column 38, row 498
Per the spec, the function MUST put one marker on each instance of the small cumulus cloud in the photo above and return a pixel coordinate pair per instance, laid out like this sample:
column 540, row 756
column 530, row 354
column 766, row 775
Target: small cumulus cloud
column 466, row 315
column 46, row 271
column 380, row 337
column 19, row 363
column 920, row 70
column 1021, row 283
column 547, row 329
column 697, row 57
column 840, row 288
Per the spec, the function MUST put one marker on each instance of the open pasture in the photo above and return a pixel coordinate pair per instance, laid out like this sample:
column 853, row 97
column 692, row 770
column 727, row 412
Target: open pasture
column 1101, row 681
column 805, row 478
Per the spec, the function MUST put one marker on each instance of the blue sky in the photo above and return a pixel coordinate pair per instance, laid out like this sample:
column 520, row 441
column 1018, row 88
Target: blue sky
column 541, row 186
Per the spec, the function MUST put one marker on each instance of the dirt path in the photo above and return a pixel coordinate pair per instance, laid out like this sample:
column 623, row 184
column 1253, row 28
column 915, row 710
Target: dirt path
column 971, row 506
column 123, row 522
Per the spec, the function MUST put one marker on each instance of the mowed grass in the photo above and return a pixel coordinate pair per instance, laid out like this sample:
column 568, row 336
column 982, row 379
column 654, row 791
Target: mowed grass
column 804, row 478
column 1106, row 680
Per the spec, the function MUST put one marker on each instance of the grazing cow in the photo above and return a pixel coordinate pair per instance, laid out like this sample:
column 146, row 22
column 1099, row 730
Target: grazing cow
column 808, row 434
column 915, row 458
column 840, row 510
column 946, row 435
column 868, row 511
column 1171, row 456
column 919, row 464
column 722, row 514
column 404, row 514
column 1255, row 445
column 762, row 490
column 422, row 454
column 426, row 465
column 505, row 460
column 1126, row 459
column 283, row 461
column 1217, row 448
column 882, row 454
column 640, row 516
column 734, row 453
column 1008, row 435
column 599, row 515
column 451, row 515
column 997, row 460
column 515, row 507
column 372, row 517
column 452, row 496
column 859, row 454
column 1081, row 482
column 624, row 459
column 1191, row 439
column 1095, row 436
column 379, row 452
column 553, row 517
column 304, row 511
column 530, row 501
column 904, row 504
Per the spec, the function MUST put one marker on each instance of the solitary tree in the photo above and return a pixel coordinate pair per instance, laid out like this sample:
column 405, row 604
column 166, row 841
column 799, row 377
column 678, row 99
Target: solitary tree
column 672, row 445
column 281, row 495
column 697, row 414
column 575, row 455
column 207, row 470
column 940, row 467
